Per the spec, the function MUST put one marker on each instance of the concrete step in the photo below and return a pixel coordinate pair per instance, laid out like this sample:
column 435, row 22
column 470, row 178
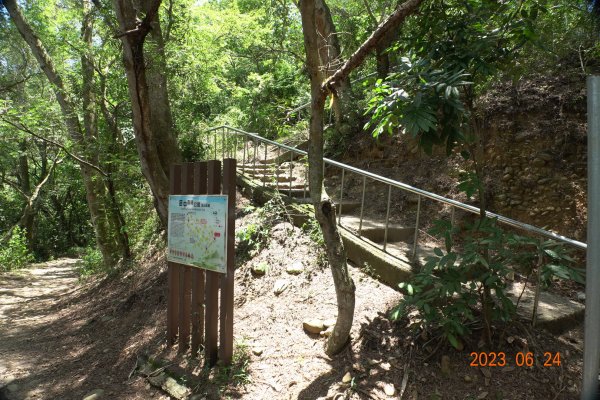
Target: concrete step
column 275, row 155
column 273, row 177
column 284, row 187
column 256, row 167
column 400, row 239
column 347, row 205
column 375, row 230
column 555, row 313
column 297, row 194
column 257, row 174
column 283, row 157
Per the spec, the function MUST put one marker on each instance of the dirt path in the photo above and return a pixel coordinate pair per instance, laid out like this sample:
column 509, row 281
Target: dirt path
column 62, row 339
column 28, row 300
column 65, row 339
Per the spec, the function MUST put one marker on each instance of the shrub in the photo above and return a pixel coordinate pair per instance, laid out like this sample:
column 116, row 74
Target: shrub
column 313, row 229
column 92, row 262
column 16, row 254
column 251, row 238
column 456, row 290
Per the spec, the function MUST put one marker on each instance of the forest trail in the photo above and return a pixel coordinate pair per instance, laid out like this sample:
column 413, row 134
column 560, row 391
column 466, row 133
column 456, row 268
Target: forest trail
column 28, row 315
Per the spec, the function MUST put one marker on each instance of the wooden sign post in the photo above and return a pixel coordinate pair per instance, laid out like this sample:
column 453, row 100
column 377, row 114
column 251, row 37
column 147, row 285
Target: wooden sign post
column 193, row 296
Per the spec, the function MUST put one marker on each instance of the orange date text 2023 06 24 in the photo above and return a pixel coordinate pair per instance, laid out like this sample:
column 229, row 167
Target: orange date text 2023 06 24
column 520, row 359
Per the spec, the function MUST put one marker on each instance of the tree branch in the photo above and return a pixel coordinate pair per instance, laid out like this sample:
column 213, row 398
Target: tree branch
column 31, row 200
column 391, row 22
column 80, row 160
column 14, row 186
column 370, row 12
column 8, row 87
column 39, row 186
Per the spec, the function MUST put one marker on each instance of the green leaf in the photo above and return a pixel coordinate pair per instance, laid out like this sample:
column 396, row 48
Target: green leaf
column 453, row 341
column 398, row 311
column 552, row 253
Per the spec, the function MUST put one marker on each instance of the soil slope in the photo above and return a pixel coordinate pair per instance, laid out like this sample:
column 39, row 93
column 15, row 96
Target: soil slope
column 62, row 339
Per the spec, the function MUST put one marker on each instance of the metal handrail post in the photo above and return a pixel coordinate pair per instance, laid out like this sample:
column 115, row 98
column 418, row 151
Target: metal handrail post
column 215, row 145
column 387, row 217
column 244, row 155
column 591, row 344
column 264, row 168
column 277, row 168
column 254, row 160
column 223, row 144
column 416, row 240
column 305, row 181
column 362, row 206
column 341, row 197
column 235, row 144
column 291, row 166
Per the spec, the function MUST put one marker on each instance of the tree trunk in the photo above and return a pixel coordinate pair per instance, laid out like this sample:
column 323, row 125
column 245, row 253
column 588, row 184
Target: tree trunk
column 162, row 118
column 112, row 224
column 324, row 210
column 382, row 56
column 94, row 186
column 32, row 202
column 27, row 218
column 156, row 144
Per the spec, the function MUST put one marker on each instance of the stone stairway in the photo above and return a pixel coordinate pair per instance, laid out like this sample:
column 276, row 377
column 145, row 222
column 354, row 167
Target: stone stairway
column 290, row 179
column 272, row 169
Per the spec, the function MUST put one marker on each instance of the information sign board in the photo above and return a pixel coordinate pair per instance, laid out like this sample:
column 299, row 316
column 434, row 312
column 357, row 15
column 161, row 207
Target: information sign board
column 198, row 231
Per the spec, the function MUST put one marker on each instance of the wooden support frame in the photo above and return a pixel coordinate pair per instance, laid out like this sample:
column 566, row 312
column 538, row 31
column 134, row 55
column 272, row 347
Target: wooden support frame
column 193, row 312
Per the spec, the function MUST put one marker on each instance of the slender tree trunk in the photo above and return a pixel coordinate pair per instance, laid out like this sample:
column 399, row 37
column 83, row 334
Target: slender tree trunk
column 117, row 142
column 324, row 210
column 92, row 180
column 112, row 223
column 156, row 143
column 27, row 218
column 382, row 57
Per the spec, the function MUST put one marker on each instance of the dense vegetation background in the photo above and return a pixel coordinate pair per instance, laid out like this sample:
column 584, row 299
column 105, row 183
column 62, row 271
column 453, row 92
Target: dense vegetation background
column 72, row 127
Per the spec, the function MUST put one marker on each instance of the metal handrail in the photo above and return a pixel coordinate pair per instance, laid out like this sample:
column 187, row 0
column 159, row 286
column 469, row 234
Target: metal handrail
column 420, row 192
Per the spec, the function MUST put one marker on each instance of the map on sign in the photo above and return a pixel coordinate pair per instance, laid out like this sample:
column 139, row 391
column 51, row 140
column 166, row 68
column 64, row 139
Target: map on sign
column 198, row 230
